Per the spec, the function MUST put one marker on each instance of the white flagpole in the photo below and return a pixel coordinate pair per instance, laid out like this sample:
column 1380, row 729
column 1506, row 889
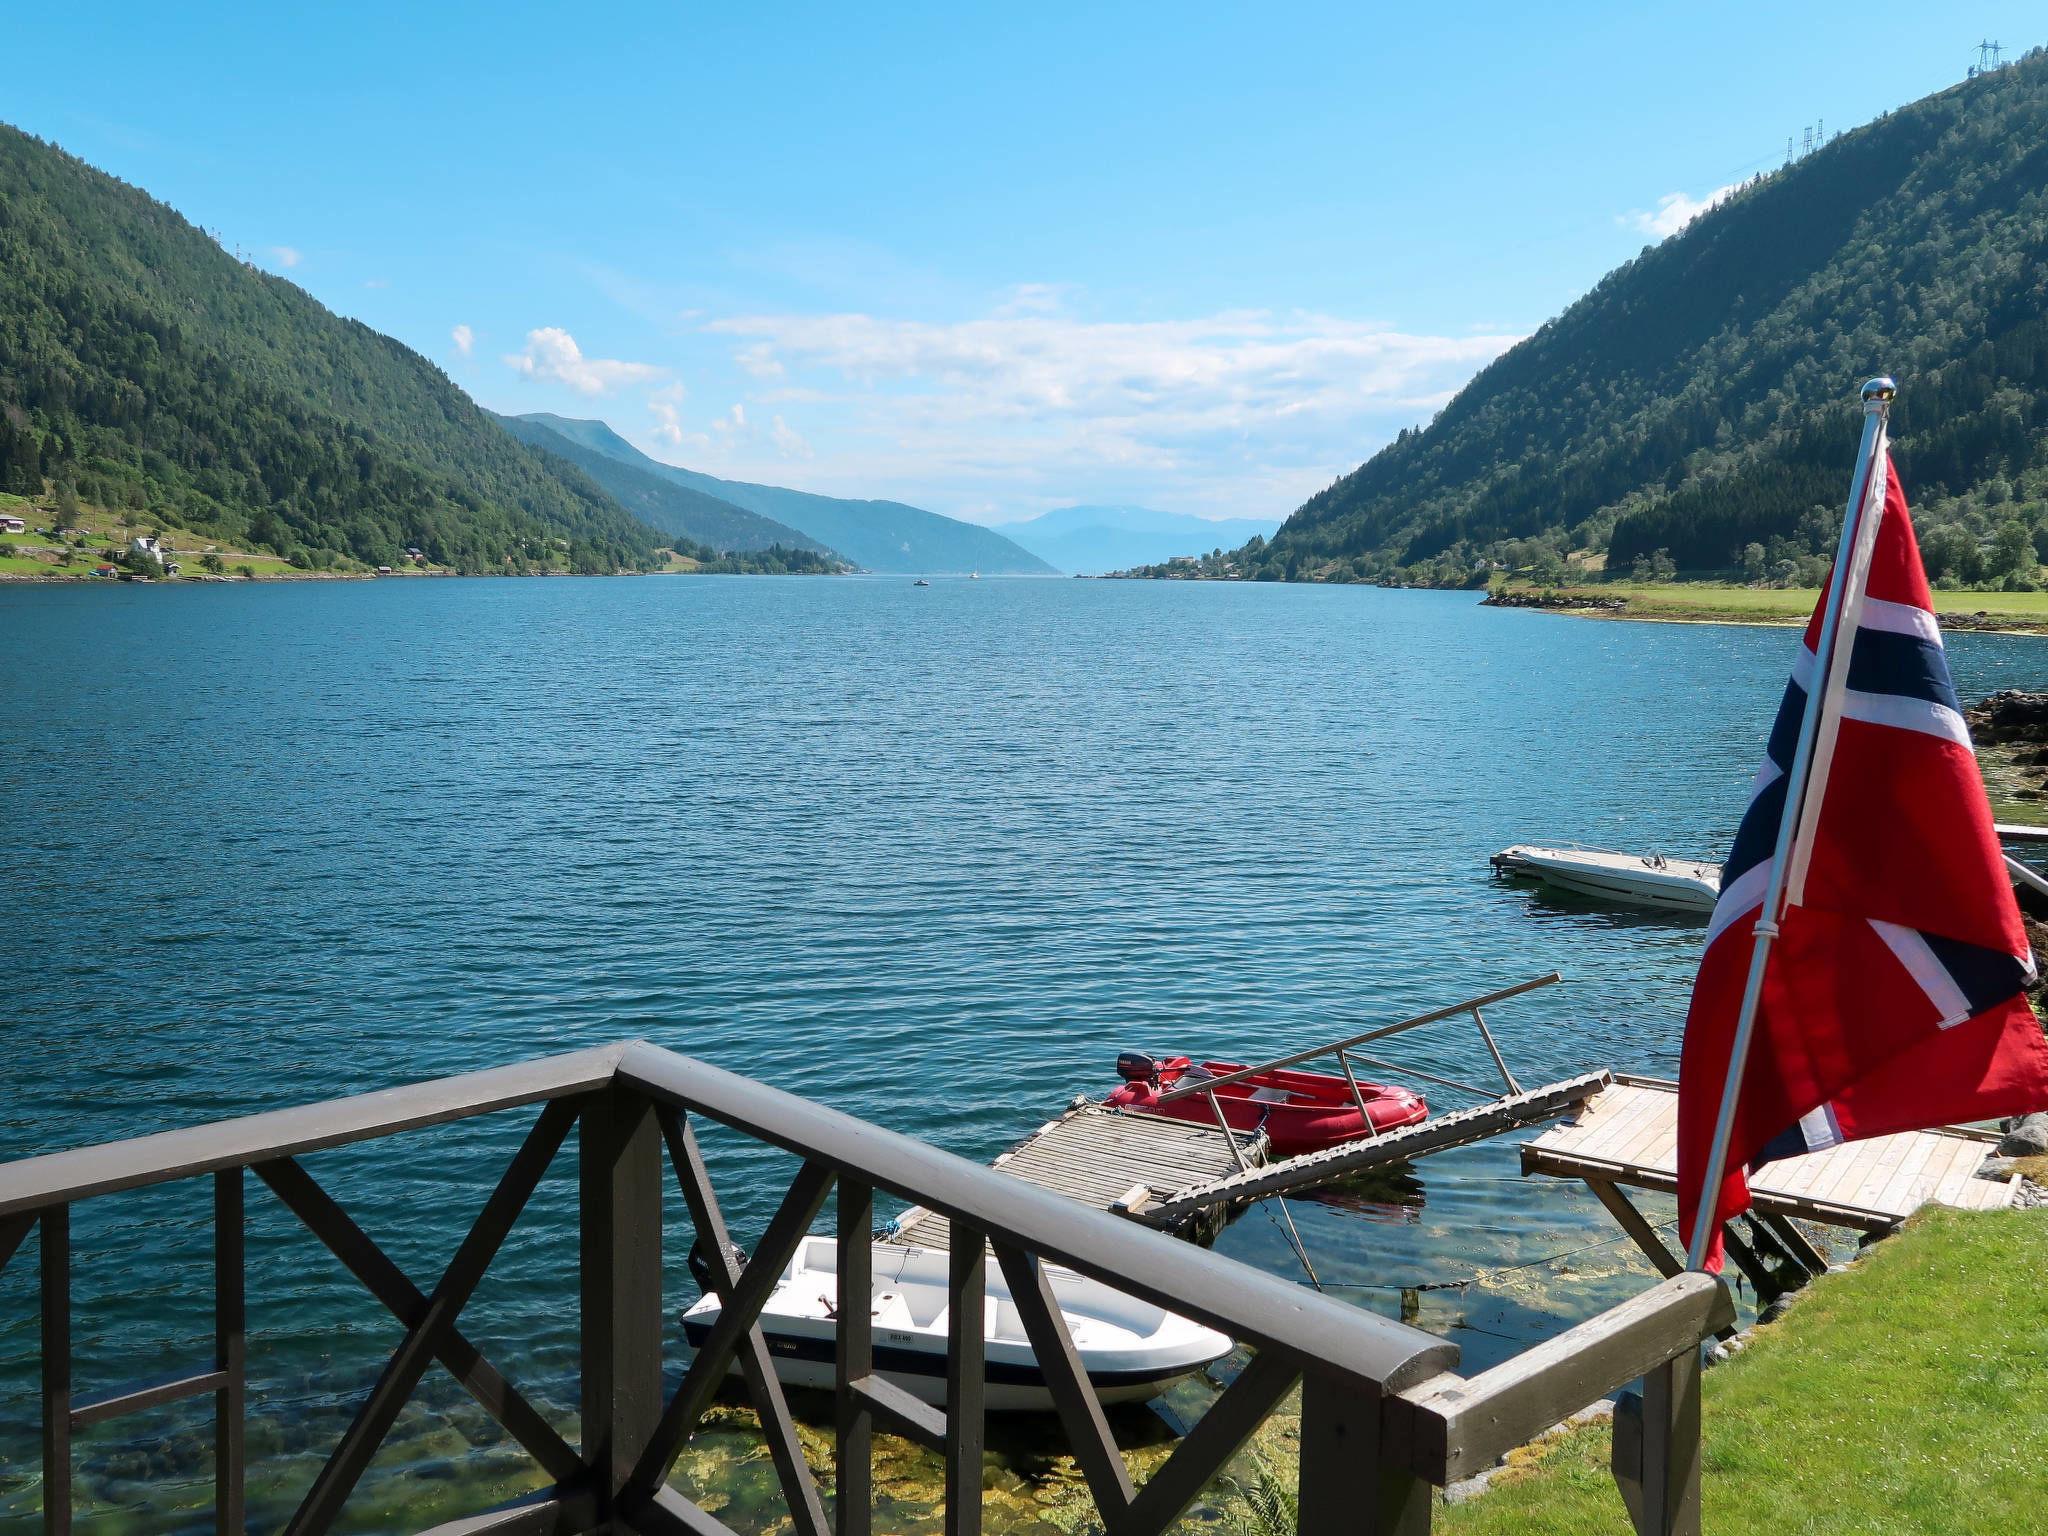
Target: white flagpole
column 1863, row 490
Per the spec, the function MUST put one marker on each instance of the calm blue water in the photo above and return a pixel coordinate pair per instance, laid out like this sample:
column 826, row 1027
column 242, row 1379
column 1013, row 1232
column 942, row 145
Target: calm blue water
column 929, row 855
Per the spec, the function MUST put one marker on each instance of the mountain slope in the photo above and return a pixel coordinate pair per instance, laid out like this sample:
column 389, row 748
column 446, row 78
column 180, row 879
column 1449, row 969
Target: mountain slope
column 1091, row 540
column 659, row 502
column 143, row 366
column 1700, row 400
column 876, row 535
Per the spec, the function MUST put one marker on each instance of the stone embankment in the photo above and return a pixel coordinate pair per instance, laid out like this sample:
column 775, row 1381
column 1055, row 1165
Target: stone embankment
column 1553, row 600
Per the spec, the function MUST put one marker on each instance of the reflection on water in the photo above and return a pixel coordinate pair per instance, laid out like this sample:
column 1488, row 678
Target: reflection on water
column 930, row 857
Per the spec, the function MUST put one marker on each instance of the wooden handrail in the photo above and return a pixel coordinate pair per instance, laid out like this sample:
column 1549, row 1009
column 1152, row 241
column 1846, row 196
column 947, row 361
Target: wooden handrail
column 1454, row 1426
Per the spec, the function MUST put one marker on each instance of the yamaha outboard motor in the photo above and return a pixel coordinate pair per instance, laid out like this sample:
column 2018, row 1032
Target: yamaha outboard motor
column 699, row 1261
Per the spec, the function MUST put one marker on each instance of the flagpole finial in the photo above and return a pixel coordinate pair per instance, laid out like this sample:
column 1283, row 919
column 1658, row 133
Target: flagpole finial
column 1879, row 392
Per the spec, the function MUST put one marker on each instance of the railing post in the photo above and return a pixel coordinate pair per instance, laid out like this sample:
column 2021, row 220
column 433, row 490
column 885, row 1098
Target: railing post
column 1349, row 1485
column 620, row 1181
column 230, row 1349
column 1656, row 1454
column 54, row 1231
column 967, row 1293
column 853, row 1494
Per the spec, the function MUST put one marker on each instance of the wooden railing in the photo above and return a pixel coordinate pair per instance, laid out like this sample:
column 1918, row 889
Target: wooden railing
column 1384, row 1418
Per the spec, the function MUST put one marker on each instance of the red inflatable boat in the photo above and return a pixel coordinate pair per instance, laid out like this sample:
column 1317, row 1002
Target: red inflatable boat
column 1300, row 1111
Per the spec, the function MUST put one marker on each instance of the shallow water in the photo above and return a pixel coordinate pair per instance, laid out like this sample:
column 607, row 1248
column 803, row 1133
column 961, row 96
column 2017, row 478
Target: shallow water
column 928, row 855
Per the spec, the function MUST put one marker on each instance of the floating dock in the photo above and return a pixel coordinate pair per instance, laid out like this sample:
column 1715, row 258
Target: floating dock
column 1111, row 1160
column 1627, row 1137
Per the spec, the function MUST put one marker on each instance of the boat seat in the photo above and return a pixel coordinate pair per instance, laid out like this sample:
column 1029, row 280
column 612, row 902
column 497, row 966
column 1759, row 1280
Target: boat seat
column 1271, row 1096
column 892, row 1311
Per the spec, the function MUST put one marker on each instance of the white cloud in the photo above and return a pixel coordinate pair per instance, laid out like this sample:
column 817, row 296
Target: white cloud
column 552, row 353
column 287, row 256
column 464, row 339
column 1231, row 413
column 666, row 406
column 1673, row 212
column 376, row 282
column 788, row 441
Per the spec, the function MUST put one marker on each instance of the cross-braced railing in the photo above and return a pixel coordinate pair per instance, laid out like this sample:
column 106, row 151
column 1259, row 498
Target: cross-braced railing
column 1383, row 1417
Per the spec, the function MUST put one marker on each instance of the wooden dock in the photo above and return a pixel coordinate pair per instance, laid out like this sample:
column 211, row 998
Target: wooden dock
column 1628, row 1136
column 1110, row 1160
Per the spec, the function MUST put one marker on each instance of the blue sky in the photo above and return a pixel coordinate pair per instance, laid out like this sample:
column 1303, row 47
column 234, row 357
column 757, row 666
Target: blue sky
column 989, row 260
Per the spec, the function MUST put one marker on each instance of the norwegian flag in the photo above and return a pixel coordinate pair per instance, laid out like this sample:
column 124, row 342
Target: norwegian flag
column 1891, row 996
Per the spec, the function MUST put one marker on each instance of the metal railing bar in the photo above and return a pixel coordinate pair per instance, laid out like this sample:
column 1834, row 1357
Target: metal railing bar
column 14, row 1231
column 54, row 1231
column 1427, row 1077
column 1448, row 1429
column 667, row 1513
column 1256, row 1308
column 230, row 1353
column 1229, row 1136
column 799, row 1488
column 81, row 1172
column 900, row 1413
column 331, row 1488
column 155, row 1395
column 853, row 1422
column 359, row 1254
column 736, row 1315
column 1420, row 1019
column 966, row 1377
column 1217, row 1436
column 1080, row 1410
column 1493, row 1050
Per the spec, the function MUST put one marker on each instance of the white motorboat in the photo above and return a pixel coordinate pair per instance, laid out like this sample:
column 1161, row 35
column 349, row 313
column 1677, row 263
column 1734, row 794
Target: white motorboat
column 1637, row 880
column 1130, row 1349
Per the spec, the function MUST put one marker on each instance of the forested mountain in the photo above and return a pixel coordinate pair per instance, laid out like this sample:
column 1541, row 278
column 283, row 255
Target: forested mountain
column 876, row 535
column 659, row 502
column 142, row 366
column 1701, row 400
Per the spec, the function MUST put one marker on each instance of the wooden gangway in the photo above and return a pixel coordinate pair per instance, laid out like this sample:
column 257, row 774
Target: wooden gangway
column 1627, row 1136
column 1312, row 1170
column 1110, row 1160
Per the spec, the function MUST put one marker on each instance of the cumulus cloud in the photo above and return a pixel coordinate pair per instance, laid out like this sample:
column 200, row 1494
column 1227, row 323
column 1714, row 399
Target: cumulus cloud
column 287, row 256
column 552, row 353
column 1237, row 411
column 666, row 406
column 1673, row 212
column 464, row 339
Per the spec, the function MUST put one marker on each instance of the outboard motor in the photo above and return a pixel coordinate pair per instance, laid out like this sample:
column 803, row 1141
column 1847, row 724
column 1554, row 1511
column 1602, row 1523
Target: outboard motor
column 700, row 1264
column 1136, row 1067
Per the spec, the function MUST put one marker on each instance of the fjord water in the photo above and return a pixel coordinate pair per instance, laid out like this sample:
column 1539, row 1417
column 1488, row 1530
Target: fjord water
column 929, row 855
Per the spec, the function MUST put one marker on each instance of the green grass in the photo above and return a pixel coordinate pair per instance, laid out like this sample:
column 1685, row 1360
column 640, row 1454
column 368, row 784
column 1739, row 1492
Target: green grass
column 1713, row 600
column 1905, row 1396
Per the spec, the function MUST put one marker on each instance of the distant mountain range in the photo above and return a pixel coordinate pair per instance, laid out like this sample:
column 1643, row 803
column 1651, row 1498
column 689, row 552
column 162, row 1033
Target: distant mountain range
column 1091, row 540
column 655, row 499
column 882, row 536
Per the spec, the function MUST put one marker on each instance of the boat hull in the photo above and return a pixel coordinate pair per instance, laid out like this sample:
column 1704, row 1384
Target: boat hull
column 1131, row 1350
column 1299, row 1111
column 1623, row 879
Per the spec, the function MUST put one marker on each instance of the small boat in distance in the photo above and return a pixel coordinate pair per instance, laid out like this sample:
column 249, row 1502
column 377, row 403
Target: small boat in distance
column 920, row 582
column 1631, row 879
column 1131, row 1349
column 1298, row 1111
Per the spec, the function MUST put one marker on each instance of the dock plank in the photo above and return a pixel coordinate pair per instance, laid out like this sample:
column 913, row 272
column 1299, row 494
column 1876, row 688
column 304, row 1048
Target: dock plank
column 1628, row 1134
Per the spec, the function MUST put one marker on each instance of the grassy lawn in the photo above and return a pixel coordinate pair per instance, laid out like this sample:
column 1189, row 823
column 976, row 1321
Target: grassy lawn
column 1712, row 600
column 1905, row 1396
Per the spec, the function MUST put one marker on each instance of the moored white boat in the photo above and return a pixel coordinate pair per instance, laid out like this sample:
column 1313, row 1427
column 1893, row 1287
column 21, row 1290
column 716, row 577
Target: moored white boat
column 1639, row 880
column 1131, row 1349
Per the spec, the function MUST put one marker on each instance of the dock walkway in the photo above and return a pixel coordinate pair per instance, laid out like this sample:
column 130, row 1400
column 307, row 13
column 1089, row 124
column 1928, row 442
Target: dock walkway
column 1628, row 1135
column 1108, row 1159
